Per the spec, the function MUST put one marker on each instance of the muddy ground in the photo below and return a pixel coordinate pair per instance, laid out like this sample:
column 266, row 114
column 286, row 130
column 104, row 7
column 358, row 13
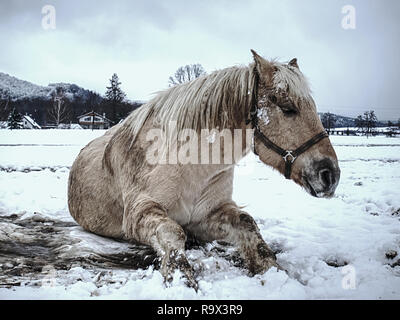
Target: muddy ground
column 32, row 247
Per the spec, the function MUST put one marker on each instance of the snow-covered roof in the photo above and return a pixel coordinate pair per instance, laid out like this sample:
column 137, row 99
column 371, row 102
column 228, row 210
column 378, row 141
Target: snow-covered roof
column 32, row 122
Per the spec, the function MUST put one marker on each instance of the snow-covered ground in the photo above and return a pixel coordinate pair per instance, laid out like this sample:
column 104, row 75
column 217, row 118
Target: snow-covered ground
column 331, row 249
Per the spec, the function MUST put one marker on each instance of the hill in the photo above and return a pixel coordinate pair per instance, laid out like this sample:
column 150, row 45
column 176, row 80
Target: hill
column 36, row 100
column 16, row 90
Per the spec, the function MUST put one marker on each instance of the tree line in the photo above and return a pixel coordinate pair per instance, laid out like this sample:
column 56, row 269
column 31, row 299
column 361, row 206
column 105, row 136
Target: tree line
column 61, row 109
column 365, row 122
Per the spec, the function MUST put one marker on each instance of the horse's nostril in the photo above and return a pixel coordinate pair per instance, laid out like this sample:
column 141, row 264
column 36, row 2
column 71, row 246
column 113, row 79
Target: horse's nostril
column 326, row 177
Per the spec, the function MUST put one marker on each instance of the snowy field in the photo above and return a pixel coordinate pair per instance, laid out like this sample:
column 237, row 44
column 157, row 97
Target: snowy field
column 341, row 248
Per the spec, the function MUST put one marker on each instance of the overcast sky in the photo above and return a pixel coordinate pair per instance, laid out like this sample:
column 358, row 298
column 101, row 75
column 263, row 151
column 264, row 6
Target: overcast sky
column 144, row 42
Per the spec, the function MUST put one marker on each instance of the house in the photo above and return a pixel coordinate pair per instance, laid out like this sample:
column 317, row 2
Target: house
column 28, row 123
column 93, row 120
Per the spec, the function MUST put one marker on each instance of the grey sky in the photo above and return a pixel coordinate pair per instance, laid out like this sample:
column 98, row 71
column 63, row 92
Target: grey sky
column 144, row 42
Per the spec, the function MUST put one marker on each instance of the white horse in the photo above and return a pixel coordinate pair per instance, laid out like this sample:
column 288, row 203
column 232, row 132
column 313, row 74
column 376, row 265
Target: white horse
column 115, row 191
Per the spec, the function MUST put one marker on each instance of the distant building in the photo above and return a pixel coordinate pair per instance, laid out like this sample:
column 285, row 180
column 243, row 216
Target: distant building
column 29, row 123
column 93, row 120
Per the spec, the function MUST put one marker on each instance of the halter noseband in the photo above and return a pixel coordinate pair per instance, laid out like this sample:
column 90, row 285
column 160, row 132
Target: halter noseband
column 289, row 156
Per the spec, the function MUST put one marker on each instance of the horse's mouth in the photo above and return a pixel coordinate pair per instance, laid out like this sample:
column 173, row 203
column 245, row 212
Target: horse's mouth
column 308, row 187
column 318, row 194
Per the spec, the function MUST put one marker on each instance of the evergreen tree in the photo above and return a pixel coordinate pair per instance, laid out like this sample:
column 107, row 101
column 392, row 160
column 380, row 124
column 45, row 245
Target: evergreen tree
column 114, row 92
column 14, row 120
column 115, row 100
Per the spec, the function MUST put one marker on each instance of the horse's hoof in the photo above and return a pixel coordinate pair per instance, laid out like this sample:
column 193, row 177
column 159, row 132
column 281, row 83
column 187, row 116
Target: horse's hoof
column 192, row 283
column 263, row 266
column 178, row 261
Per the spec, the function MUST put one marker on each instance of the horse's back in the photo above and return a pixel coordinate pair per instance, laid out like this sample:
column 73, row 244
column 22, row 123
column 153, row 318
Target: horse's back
column 90, row 200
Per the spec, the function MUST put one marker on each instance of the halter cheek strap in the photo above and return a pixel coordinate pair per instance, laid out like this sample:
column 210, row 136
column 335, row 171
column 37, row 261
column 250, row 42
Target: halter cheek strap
column 289, row 156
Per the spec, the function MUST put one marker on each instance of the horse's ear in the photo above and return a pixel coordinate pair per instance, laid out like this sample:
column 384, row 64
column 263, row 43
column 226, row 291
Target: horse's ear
column 293, row 63
column 263, row 66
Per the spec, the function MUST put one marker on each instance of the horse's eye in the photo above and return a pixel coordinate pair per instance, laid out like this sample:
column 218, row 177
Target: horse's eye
column 289, row 110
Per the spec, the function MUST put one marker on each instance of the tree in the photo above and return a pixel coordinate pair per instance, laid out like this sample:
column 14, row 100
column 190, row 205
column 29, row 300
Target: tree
column 58, row 112
column 114, row 92
column 328, row 120
column 186, row 73
column 371, row 120
column 4, row 109
column 360, row 123
column 114, row 100
column 367, row 122
column 14, row 120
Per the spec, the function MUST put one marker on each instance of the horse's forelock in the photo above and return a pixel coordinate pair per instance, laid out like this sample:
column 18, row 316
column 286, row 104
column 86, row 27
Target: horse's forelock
column 291, row 78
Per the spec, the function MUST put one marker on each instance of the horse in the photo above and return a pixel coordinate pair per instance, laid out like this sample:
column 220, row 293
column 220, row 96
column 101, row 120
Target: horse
column 116, row 191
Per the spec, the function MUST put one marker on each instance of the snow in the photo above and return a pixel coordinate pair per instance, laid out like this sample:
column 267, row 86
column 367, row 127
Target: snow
column 47, row 137
column 262, row 114
column 39, row 149
column 32, row 122
column 321, row 243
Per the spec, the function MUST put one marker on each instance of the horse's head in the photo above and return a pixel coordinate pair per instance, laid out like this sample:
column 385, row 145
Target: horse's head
column 285, row 119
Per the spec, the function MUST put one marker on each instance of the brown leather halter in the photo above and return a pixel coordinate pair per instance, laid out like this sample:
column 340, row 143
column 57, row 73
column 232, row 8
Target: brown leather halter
column 289, row 156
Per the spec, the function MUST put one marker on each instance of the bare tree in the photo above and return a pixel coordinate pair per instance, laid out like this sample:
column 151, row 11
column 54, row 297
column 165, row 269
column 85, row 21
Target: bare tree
column 58, row 112
column 367, row 122
column 186, row 73
column 328, row 120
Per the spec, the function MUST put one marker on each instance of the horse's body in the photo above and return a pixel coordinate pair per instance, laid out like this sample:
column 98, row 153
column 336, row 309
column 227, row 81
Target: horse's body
column 115, row 191
column 187, row 192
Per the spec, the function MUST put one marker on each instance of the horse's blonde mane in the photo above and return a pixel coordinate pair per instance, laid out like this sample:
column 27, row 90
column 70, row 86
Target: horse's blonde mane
column 219, row 100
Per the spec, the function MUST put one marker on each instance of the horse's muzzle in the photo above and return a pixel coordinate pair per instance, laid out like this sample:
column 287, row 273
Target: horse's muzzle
column 322, row 178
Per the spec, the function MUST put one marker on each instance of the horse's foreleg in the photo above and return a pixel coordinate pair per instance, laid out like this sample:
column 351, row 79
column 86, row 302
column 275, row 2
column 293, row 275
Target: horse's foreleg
column 230, row 224
column 146, row 221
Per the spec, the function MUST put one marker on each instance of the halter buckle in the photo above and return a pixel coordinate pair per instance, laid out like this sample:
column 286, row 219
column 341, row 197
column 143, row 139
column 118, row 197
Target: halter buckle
column 289, row 153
